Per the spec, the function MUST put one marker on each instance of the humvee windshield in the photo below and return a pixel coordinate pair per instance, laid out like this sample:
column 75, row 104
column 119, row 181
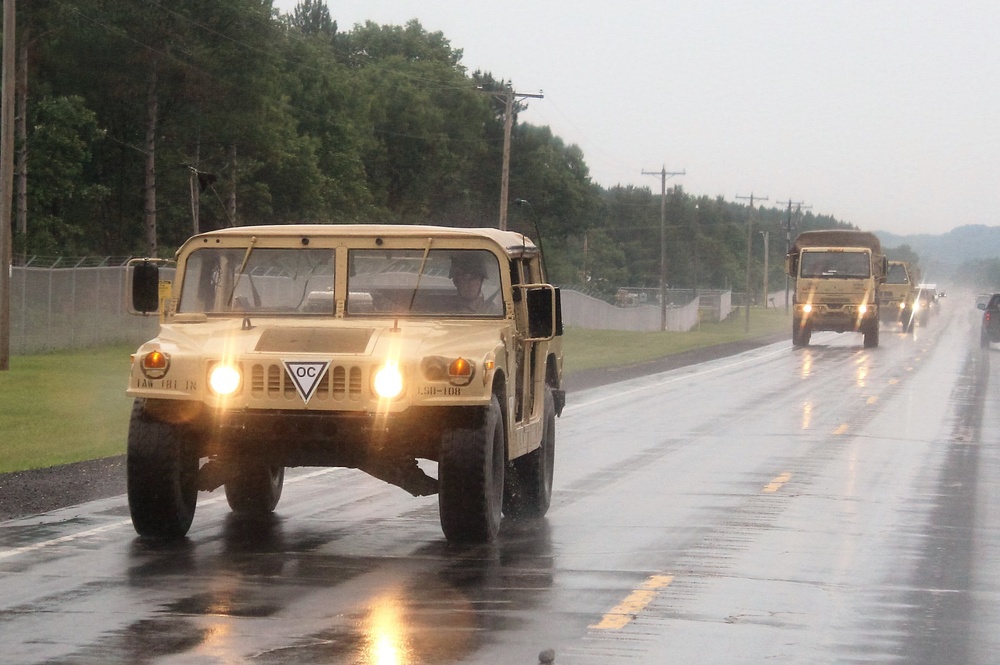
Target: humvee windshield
column 410, row 281
column 260, row 280
column 300, row 281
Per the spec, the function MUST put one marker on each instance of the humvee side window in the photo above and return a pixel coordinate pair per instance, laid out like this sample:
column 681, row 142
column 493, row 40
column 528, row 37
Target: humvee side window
column 260, row 280
column 439, row 282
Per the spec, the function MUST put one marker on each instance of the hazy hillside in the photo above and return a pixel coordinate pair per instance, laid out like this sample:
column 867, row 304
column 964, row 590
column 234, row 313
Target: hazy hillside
column 949, row 250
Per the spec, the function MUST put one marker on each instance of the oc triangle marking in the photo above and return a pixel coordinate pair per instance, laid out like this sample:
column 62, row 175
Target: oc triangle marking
column 306, row 375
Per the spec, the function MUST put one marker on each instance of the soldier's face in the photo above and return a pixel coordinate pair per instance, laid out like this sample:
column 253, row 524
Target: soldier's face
column 468, row 285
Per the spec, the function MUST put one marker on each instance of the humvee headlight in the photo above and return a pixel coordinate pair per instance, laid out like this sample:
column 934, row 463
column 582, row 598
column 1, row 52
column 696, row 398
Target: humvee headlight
column 224, row 379
column 154, row 365
column 388, row 381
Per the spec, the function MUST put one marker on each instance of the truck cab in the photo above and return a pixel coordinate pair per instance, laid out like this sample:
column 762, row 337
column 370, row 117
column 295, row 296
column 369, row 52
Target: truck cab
column 838, row 276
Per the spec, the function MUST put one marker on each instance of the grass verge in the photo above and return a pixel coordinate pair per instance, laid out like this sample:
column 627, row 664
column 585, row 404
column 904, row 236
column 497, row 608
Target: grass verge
column 68, row 407
column 590, row 349
column 64, row 407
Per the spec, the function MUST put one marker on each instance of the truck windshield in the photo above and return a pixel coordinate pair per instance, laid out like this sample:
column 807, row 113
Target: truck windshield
column 897, row 275
column 847, row 265
column 262, row 281
column 416, row 282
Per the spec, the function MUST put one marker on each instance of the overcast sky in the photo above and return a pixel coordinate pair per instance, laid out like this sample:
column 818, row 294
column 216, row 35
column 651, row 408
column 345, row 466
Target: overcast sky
column 884, row 114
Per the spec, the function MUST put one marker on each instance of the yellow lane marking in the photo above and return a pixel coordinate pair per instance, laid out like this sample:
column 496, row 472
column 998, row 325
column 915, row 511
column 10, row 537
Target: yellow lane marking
column 840, row 430
column 873, row 399
column 777, row 483
column 893, row 382
column 635, row 602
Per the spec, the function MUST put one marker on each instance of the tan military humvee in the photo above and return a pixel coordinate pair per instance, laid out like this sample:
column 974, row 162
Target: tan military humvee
column 369, row 347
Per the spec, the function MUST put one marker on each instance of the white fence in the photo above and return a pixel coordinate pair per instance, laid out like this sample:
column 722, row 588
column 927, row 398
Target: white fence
column 583, row 311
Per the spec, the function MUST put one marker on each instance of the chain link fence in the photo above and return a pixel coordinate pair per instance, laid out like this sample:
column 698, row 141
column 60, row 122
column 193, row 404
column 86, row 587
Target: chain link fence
column 54, row 308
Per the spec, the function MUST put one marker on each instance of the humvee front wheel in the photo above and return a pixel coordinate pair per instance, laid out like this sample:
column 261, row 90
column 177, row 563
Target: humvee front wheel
column 471, row 478
column 162, row 476
column 255, row 489
column 528, row 490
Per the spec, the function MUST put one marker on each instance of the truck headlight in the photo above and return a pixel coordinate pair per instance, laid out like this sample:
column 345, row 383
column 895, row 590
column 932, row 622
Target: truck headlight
column 862, row 309
column 807, row 308
column 902, row 305
column 224, row 379
column 388, row 381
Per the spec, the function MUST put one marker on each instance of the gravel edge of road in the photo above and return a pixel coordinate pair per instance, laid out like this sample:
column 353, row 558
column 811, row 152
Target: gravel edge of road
column 25, row 493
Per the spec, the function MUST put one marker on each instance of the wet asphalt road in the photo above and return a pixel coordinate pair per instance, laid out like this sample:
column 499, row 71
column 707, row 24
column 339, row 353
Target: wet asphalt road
column 825, row 505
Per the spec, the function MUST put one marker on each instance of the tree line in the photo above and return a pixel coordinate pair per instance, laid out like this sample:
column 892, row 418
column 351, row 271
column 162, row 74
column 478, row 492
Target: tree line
column 141, row 122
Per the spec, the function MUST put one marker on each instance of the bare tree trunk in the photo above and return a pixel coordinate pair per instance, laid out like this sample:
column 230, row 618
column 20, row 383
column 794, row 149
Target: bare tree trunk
column 152, row 108
column 21, row 136
column 231, row 203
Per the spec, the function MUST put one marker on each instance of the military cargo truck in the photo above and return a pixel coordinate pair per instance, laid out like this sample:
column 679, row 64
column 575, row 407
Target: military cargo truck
column 427, row 357
column 837, row 275
column 897, row 294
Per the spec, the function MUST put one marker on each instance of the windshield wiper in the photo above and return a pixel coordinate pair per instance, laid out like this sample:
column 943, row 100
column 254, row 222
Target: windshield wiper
column 420, row 274
column 236, row 282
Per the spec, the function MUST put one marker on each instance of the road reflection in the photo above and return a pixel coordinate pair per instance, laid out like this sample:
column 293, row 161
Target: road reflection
column 438, row 603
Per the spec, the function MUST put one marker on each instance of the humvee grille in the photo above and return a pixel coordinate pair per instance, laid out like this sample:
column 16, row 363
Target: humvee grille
column 341, row 382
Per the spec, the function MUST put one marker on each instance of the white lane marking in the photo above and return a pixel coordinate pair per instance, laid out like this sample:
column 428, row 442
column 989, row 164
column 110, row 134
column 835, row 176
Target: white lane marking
column 674, row 379
column 17, row 551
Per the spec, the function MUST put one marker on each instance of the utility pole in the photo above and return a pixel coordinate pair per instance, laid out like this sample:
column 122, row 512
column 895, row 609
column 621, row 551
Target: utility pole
column 664, row 174
column 788, row 237
column 6, row 178
column 766, row 235
column 508, row 96
column 746, row 325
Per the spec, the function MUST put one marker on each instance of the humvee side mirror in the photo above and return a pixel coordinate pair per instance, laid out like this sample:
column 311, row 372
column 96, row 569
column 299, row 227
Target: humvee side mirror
column 544, row 312
column 145, row 287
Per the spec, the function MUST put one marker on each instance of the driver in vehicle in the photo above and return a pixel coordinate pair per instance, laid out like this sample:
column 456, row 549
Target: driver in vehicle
column 467, row 274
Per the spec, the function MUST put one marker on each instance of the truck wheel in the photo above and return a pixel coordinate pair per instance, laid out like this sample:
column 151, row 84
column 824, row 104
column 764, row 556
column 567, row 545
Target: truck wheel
column 254, row 489
column 801, row 332
column 871, row 336
column 162, row 476
column 471, row 478
column 528, row 490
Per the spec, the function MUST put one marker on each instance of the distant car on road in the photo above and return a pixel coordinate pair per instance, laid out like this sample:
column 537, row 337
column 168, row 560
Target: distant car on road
column 989, row 332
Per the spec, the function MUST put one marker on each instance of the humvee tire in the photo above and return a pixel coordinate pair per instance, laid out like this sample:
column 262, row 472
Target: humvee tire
column 162, row 476
column 255, row 489
column 528, row 491
column 471, row 478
